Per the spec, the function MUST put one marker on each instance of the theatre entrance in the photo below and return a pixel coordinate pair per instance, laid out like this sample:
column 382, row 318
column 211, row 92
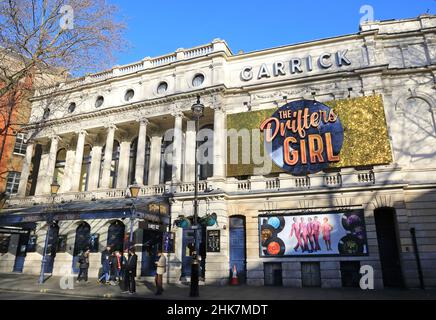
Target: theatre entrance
column 387, row 237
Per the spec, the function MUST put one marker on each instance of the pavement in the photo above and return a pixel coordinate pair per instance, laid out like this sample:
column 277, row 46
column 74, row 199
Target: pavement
column 20, row 286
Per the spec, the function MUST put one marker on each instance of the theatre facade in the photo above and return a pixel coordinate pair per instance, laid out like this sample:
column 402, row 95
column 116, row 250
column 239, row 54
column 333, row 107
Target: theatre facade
column 317, row 158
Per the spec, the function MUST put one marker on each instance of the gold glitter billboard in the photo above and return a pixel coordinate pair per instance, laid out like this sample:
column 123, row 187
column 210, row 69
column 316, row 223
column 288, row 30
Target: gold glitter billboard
column 365, row 137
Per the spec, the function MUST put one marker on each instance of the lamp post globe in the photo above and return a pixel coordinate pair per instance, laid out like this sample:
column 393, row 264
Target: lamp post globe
column 197, row 109
column 134, row 189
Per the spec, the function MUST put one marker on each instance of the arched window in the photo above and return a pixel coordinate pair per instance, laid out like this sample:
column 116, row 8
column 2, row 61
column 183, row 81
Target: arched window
column 86, row 163
column 205, row 169
column 114, row 164
column 115, row 235
column 165, row 168
column 132, row 160
column 60, row 165
column 82, row 238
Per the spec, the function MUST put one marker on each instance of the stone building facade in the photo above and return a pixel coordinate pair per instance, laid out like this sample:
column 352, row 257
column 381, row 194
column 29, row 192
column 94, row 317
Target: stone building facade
column 98, row 134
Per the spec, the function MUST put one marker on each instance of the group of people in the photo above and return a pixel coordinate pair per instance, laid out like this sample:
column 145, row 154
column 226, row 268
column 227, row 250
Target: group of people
column 307, row 233
column 120, row 269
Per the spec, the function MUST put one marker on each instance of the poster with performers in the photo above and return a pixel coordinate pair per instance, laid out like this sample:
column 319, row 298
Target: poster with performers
column 331, row 233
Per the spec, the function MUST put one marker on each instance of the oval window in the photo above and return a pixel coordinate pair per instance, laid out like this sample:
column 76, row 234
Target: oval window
column 129, row 95
column 162, row 87
column 72, row 107
column 46, row 113
column 99, row 101
column 198, row 80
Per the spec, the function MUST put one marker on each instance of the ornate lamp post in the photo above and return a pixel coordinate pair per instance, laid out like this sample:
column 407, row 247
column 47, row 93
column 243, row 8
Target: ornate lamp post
column 54, row 188
column 197, row 112
column 134, row 191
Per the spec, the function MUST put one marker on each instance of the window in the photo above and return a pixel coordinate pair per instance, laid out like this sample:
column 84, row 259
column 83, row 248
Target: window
column 162, row 87
column 93, row 242
column 165, row 167
column 198, row 80
column 62, row 244
column 129, row 95
column 86, row 164
column 20, row 144
column 13, row 182
column 114, row 164
column 132, row 162
column 4, row 243
column 60, row 165
column 46, row 113
column 99, row 101
column 72, row 107
column 31, row 245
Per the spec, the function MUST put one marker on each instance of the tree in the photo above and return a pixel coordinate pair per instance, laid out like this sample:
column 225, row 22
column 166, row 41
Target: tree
column 43, row 42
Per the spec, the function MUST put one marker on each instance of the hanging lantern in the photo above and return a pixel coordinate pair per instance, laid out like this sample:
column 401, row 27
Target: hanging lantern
column 209, row 220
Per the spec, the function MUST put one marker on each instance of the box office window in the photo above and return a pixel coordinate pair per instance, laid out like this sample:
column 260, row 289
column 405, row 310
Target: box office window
column 93, row 242
column 31, row 245
column 62, row 243
column 310, row 274
column 4, row 243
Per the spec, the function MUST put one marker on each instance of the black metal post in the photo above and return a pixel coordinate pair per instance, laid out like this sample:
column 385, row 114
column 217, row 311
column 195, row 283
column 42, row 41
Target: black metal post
column 44, row 253
column 194, row 290
column 418, row 260
column 132, row 219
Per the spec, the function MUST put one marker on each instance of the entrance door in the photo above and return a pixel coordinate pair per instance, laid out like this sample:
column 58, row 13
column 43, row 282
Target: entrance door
column 152, row 242
column 81, row 243
column 386, row 228
column 21, row 252
column 188, row 247
column 237, row 247
column 51, row 248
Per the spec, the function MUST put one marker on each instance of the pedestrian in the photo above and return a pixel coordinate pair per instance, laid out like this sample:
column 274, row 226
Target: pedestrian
column 113, row 269
column 131, row 271
column 160, row 270
column 119, row 265
column 105, row 264
column 83, row 266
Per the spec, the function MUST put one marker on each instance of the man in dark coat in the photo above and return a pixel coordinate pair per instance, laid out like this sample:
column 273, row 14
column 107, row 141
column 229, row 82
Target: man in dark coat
column 83, row 266
column 131, row 271
column 105, row 264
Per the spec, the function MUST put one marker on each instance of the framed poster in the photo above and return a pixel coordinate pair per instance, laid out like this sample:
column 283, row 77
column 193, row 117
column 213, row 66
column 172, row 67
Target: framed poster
column 316, row 234
column 168, row 242
column 213, row 240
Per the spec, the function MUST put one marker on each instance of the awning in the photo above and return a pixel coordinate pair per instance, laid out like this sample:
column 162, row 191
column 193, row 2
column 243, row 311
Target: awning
column 154, row 209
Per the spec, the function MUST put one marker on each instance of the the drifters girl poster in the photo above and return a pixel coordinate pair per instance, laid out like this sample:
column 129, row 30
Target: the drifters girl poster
column 336, row 233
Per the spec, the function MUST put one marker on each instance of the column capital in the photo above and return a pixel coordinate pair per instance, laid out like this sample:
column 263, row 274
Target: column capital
column 177, row 113
column 55, row 137
column 110, row 126
column 143, row 120
column 82, row 131
column 217, row 103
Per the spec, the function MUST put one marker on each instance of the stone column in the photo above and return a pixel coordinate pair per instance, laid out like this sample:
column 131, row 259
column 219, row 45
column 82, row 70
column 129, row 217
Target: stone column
column 177, row 147
column 140, row 151
column 67, row 179
column 190, row 140
column 106, row 173
column 25, row 171
column 219, row 142
column 123, row 167
column 94, row 173
column 154, row 172
column 77, row 167
column 51, row 163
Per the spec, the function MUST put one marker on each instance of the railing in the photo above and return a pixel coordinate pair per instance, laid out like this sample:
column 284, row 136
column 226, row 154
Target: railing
column 272, row 184
column 137, row 66
column 333, row 180
column 284, row 183
column 163, row 60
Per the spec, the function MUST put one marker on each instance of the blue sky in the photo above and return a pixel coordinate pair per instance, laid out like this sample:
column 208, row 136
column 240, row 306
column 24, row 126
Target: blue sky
column 158, row 27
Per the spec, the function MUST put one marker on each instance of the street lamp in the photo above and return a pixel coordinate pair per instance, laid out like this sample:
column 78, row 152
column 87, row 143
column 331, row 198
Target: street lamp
column 54, row 188
column 197, row 112
column 134, row 191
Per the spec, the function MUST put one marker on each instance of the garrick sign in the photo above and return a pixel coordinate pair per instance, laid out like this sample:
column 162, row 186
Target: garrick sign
column 296, row 65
